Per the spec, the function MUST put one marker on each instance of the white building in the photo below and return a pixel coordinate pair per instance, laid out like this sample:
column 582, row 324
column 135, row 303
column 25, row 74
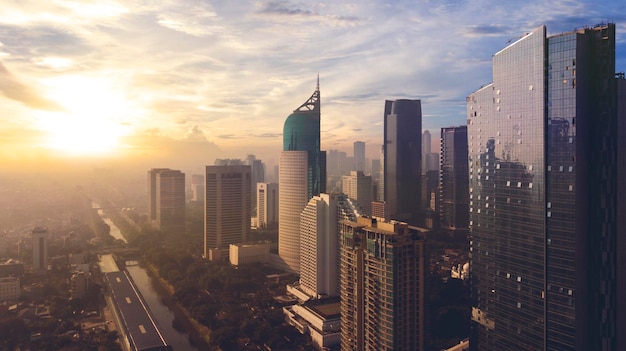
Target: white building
column 319, row 243
column 249, row 253
column 10, row 289
column 267, row 204
column 358, row 187
column 319, row 319
column 227, row 207
column 292, row 197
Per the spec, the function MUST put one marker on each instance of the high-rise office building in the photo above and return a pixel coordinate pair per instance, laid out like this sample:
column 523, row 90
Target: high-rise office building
column 359, row 156
column 453, row 179
column 382, row 286
column 357, row 186
column 197, row 188
column 543, row 200
column 40, row 249
column 302, row 175
column 152, row 193
column 267, row 204
column 257, row 167
column 319, row 243
column 167, row 199
column 402, row 150
column 227, row 208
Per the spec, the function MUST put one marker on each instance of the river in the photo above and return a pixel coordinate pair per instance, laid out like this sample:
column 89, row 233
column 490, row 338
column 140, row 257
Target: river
column 165, row 318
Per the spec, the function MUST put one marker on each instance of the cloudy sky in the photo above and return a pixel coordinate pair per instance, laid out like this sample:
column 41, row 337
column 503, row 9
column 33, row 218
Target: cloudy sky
column 192, row 79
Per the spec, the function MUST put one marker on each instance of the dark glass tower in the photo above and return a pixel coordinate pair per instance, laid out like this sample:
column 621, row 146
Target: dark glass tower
column 402, row 150
column 543, row 206
column 453, row 175
column 301, row 132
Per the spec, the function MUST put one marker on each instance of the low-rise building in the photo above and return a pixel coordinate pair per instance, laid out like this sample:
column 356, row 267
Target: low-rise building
column 10, row 289
column 249, row 253
column 320, row 319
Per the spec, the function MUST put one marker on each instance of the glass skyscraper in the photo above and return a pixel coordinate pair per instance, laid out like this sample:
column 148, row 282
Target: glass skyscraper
column 402, row 155
column 542, row 143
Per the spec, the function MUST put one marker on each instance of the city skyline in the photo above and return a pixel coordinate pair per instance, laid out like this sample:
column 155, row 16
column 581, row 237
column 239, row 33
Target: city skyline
column 117, row 81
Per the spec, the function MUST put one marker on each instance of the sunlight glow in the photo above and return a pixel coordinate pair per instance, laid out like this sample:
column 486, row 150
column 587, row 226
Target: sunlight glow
column 92, row 120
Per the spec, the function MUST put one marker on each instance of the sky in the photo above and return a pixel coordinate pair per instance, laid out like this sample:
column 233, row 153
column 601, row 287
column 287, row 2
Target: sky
column 163, row 83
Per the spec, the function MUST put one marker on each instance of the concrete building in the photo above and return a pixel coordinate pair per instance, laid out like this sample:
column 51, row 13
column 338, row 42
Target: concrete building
column 10, row 289
column 320, row 319
column 227, row 208
column 249, row 253
column 40, row 249
column 197, row 188
column 167, row 199
column 382, row 290
column 359, row 156
column 544, row 178
column 267, row 205
column 319, row 243
column 357, row 186
column 79, row 285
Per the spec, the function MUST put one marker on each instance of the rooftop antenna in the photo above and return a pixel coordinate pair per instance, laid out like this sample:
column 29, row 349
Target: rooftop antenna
column 318, row 81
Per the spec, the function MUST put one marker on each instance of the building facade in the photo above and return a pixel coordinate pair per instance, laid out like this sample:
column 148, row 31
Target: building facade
column 402, row 159
column 166, row 199
column 357, row 186
column 543, row 178
column 267, row 205
column 382, row 290
column 40, row 249
column 359, row 156
column 302, row 175
column 227, row 207
column 319, row 243
column 453, row 179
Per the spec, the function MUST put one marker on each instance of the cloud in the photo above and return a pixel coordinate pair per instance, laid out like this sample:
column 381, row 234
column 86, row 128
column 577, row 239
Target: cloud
column 485, row 30
column 13, row 89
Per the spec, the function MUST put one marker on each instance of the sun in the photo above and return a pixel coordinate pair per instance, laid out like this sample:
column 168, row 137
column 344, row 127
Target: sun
column 91, row 120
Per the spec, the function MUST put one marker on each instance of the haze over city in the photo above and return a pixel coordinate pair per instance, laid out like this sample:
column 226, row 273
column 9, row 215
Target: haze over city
column 180, row 83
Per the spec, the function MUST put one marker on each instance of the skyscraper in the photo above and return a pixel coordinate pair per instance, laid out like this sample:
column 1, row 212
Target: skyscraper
column 167, row 199
column 267, row 204
column 453, row 179
column 382, row 286
column 402, row 159
column 227, row 206
column 358, row 187
column 40, row 249
column 359, row 156
column 319, row 243
column 302, row 175
column 543, row 205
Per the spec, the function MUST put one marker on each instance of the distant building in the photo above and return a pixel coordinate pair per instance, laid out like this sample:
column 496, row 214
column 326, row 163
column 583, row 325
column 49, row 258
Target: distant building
column 359, row 156
column 267, row 205
column 197, row 188
column 359, row 187
column 11, row 267
column 380, row 209
column 167, row 199
column 227, row 207
column 249, row 253
column 382, row 290
column 257, row 175
column 10, row 289
column 79, row 285
column 402, row 159
column 40, row 249
column 453, row 179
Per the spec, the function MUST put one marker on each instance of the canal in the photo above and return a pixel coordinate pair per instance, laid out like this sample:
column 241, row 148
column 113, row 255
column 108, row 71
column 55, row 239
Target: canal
column 178, row 340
